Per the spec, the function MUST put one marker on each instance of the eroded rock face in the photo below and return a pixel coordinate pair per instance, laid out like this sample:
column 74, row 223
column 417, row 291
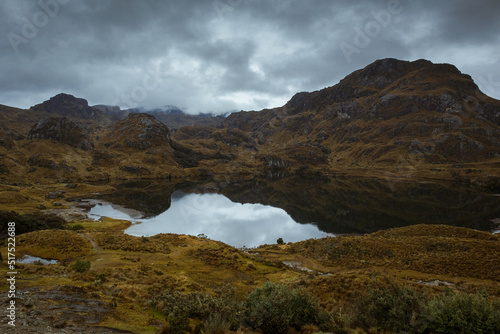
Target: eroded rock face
column 63, row 130
column 140, row 131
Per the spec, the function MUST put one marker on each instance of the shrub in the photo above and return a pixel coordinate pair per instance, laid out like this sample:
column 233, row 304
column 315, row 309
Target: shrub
column 274, row 308
column 177, row 322
column 462, row 313
column 222, row 308
column 81, row 266
column 394, row 307
column 280, row 241
column 77, row 227
column 217, row 324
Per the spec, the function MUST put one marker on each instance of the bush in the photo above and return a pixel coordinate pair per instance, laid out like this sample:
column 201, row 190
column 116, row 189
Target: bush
column 280, row 241
column 217, row 324
column 177, row 322
column 462, row 313
column 77, row 227
column 274, row 308
column 393, row 307
column 81, row 266
column 400, row 309
column 222, row 308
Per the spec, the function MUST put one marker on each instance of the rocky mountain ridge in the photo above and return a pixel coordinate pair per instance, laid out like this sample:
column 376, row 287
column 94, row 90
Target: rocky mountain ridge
column 407, row 119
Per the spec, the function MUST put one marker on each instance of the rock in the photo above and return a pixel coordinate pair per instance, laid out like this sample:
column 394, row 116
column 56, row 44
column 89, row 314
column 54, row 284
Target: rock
column 42, row 207
column 61, row 129
column 56, row 204
column 68, row 214
column 55, row 194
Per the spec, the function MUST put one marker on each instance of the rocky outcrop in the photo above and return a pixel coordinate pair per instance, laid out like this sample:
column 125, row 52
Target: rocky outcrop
column 139, row 131
column 69, row 106
column 63, row 130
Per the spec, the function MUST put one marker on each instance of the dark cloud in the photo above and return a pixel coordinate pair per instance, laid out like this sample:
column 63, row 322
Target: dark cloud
column 229, row 54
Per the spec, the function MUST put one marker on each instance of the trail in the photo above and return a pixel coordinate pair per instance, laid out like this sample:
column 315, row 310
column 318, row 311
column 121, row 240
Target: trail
column 95, row 246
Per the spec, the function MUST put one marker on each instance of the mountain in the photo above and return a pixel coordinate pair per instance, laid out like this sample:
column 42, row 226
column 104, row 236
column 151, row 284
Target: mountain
column 392, row 119
column 140, row 131
column 176, row 117
column 402, row 118
column 68, row 105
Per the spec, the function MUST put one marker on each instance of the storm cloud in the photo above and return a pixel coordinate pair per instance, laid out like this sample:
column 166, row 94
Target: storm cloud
column 223, row 55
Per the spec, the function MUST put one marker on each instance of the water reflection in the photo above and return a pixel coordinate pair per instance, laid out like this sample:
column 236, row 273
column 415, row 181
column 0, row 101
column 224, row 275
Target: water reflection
column 336, row 205
column 219, row 218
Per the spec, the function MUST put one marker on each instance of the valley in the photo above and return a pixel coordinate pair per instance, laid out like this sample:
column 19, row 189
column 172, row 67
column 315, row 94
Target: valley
column 399, row 160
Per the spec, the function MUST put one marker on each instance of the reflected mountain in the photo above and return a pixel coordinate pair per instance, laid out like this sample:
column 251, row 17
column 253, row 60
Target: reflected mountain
column 150, row 198
column 335, row 205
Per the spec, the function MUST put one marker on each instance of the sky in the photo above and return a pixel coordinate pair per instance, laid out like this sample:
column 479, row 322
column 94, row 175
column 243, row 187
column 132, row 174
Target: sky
column 225, row 55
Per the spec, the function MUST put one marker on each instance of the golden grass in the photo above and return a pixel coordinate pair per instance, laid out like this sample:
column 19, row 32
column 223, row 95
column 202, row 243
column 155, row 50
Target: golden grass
column 53, row 244
column 132, row 269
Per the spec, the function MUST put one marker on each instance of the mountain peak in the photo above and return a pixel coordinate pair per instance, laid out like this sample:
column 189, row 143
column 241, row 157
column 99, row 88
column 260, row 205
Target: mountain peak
column 67, row 105
column 388, row 76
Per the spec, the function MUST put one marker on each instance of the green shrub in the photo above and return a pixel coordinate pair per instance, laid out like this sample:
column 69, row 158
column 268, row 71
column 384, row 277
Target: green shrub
column 462, row 313
column 274, row 308
column 280, row 241
column 202, row 306
column 77, row 227
column 394, row 307
column 177, row 322
column 81, row 266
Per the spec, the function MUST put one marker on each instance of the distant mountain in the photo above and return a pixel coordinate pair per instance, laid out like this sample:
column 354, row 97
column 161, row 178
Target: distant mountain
column 392, row 119
column 175, row 117
column 79, row 109
column 68, row 105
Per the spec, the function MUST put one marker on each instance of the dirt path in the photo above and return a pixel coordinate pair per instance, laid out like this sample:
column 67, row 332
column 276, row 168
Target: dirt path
column 92, row 241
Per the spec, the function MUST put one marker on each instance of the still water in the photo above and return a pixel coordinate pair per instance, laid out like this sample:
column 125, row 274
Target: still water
column 259, row 211
column 218, row 218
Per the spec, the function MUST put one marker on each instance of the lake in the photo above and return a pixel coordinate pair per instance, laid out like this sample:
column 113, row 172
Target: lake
column 259, row 211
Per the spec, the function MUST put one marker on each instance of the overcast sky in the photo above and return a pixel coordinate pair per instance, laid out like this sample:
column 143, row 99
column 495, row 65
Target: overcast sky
column 222, row 55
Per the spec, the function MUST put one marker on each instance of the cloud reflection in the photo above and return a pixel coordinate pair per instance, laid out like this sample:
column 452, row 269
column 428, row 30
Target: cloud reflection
column 220, row 219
